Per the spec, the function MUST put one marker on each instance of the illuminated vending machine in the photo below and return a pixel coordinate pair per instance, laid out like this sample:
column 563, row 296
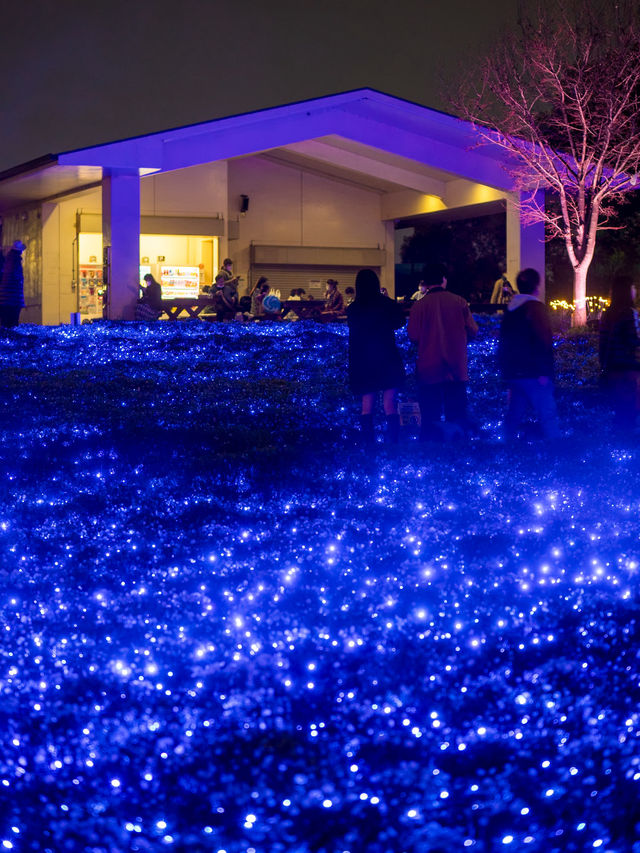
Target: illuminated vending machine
column 90, row 290
column 180, row 282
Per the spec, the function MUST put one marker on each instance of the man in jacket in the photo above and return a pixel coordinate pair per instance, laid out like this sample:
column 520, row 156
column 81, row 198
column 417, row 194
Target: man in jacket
column 441, row 324
column 525, row 357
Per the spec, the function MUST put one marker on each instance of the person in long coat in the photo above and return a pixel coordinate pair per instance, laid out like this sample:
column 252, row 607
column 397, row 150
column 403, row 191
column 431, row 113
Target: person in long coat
column 441, row 324
column 12, row 287
column 619, row 351
column 525, row 357
column 375, row 363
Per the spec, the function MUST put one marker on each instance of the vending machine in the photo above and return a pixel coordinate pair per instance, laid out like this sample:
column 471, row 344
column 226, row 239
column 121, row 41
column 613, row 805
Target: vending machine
column 90, row 290
column 180, row 282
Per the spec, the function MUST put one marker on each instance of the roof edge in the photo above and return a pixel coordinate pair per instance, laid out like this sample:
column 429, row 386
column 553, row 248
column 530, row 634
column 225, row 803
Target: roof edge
column 316, row 102
column 29, row 166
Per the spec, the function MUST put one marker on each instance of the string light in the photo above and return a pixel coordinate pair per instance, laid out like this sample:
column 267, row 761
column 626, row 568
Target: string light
column 222, row 625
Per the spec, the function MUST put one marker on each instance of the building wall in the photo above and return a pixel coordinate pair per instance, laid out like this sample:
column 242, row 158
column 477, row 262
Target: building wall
column 59, row 253
column 288, row 206
column 291, row 207
column 198, row 191
column 460, row 193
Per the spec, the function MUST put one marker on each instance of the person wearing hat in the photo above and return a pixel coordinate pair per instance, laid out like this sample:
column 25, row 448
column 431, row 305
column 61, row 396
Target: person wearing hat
column 12, row 287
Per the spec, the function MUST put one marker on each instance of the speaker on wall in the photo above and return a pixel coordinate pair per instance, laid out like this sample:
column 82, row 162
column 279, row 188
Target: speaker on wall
column 244, row 203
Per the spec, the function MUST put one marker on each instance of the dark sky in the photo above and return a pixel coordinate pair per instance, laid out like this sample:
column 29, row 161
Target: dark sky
column 78, row 72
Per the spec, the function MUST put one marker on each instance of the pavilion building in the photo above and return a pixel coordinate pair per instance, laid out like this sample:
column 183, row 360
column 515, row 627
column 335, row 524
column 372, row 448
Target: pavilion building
column 299, row 193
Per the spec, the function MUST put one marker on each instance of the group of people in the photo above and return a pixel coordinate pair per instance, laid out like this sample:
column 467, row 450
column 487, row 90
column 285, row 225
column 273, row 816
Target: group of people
column 441, row 324
column 260, row 302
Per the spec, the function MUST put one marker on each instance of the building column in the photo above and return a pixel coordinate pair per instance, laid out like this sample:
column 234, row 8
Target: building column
column 525, row 242
column 121, row 241
column 388, row 277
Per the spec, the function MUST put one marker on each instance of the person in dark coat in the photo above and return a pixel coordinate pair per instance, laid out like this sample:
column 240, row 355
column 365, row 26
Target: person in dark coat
column 149, row 305
column 525, row 357
column 375, row 363
column 619, row 352
column 12, row 287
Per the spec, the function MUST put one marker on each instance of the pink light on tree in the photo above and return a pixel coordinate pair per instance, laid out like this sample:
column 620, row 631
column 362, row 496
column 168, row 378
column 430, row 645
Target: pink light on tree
column 561, row 96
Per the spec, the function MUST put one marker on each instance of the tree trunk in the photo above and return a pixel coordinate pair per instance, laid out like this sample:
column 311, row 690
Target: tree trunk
column 580, row 294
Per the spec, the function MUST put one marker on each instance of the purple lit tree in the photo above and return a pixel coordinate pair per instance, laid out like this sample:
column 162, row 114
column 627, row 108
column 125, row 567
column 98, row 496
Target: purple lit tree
column 561, row 95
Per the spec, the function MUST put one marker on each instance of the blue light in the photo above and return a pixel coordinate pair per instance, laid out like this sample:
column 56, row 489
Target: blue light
column 222, row 622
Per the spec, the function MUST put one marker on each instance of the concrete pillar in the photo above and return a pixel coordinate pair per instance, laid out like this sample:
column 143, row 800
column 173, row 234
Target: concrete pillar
column 388, row 277
column 51, row 279
column 121, row 240
column 525, row 242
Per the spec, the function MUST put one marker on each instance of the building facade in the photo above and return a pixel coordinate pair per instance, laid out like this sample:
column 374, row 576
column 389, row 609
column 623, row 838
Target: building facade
column 299, row 193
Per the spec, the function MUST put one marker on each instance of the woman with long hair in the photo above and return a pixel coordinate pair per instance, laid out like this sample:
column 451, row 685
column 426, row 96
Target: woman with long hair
column 149, row 305
column 258, row 294
column 375, row 362
column 619, row 351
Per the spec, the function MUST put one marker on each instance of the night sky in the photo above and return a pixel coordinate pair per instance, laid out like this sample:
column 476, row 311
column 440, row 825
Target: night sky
column 77, row 73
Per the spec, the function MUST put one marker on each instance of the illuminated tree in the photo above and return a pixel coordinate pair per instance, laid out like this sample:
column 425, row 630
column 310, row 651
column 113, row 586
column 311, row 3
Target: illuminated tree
column 561, row 96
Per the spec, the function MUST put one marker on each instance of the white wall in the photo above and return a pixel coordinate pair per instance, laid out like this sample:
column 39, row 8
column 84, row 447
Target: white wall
column 59, row 297
column 290, row 207
column 287, row 207
column 198, row 191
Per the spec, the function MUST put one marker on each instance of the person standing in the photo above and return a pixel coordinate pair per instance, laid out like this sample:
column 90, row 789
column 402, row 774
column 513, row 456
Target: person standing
column 619, row 351
column 226, row 270
column 12, row 287
column 525, row 357
column 441, row 324
column 503, row 291
column 375, row 363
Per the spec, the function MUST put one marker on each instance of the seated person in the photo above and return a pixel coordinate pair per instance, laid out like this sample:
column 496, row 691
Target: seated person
column 333, row 301
column 149, row 305
column 261, row 290
column 226, row 298
column 420, row 292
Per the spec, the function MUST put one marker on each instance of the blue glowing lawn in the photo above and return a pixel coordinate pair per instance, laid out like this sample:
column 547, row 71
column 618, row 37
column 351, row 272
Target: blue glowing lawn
column 225, row 629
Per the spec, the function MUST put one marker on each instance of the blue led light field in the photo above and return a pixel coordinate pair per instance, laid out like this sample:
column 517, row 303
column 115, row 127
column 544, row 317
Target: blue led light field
column 225, row 627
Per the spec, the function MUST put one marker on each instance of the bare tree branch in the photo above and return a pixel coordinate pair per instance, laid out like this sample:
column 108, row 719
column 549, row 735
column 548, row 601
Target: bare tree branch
column 561, row 97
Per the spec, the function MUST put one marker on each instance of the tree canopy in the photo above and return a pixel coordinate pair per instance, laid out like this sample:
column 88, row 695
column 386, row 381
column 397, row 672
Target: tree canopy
column 561, row 96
